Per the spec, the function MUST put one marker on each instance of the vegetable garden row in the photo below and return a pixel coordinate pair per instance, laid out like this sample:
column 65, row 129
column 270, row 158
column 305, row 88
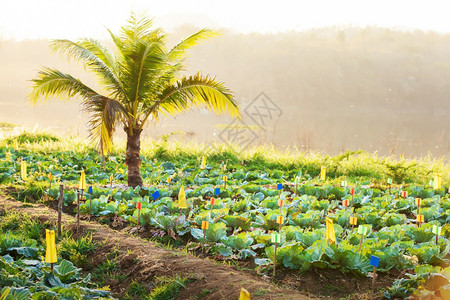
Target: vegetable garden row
column 250, row 215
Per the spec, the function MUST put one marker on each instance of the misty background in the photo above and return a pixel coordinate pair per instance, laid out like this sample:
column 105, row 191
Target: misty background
column 338, row 88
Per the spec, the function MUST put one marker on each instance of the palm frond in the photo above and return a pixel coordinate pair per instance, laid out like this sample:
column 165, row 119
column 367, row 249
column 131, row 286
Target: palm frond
column 179, row 49
column 116, row 39
column 139, row 66
column 195, row 91
column 51, row 82
column 105, row 113
column 139, row 27
column 96, row 58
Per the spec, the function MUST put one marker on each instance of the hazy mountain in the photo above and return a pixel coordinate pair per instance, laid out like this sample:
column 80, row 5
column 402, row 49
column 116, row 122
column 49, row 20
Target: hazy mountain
column 337, row 88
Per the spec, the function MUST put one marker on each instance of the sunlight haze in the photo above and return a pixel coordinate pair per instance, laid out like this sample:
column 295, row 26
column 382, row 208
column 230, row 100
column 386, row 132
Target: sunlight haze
column 24, row 19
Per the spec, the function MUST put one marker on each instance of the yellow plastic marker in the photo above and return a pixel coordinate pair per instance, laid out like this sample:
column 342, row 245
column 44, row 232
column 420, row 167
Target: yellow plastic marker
column 244, row 295
column 111, row 177
column 82, row 184
column 437, row 182
column 169, row 180
column 50, row 177
column 331, row 237
column 50, row 254
column 23, row 170
column 203, row 165
column 323, row 173
column 182, row 198
column 420, row 218
column 205, row 225
column 280, row 220
column 353, row 220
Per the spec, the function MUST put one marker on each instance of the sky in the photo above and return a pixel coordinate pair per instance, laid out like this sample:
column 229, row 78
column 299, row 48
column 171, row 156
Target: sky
column 50, row 19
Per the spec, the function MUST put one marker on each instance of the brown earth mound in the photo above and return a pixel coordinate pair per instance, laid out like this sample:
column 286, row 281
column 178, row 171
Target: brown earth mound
column 143, row 261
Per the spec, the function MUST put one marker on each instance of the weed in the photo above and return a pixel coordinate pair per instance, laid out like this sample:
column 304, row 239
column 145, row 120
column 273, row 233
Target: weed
column 260, row 292
column 108, row 267
column 167, row 288
column 76, row 250
column 136, row 289
column 203, row 294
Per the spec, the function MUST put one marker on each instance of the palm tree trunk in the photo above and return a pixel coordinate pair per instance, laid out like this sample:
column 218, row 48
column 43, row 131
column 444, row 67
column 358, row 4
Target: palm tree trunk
column 133, row 159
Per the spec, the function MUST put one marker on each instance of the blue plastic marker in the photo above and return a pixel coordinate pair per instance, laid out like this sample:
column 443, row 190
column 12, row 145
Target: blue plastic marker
column 90, row 190
column 279, row 188
column 216, row 191
column 156, row 195
column 374, row 261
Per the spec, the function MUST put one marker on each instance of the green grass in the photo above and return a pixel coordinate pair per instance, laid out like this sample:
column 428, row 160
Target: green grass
column 353, row 165
column 7, row 125
column 31, row 138
column 30, row 191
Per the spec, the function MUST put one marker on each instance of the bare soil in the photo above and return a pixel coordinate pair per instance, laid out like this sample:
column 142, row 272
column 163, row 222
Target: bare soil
column 143, row 261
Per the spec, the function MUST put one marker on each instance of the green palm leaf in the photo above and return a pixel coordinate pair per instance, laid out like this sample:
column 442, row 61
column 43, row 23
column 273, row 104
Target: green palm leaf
column 96, row 58
column 140, row 80
column 196, row 91
column 179, row 49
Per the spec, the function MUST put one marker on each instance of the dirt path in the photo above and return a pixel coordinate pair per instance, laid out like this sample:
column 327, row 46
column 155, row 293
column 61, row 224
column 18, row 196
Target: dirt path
column 143, row 260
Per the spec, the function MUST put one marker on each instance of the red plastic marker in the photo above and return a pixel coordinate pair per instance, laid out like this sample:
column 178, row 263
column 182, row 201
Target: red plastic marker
column 139, row 207
column 352, row 192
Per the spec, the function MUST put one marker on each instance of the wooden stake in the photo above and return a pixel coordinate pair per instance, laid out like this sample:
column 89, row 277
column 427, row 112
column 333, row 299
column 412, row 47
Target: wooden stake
column 139, row 217
column 295, row 192
column 90, row 206
column 373, row 281
column 78, row 214
column 60, row 204
column 360, row 243
column 275, row 259
column 204, row 239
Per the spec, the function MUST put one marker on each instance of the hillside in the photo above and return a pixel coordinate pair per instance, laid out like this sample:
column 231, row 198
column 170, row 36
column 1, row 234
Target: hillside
column 337, row 88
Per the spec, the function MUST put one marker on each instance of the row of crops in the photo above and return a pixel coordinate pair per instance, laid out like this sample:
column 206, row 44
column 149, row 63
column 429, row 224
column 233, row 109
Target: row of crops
column 244, row 213
column 24, row 274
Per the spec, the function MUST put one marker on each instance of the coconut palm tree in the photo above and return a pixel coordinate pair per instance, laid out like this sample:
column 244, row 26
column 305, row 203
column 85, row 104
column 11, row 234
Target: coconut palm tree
column 138, row 82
